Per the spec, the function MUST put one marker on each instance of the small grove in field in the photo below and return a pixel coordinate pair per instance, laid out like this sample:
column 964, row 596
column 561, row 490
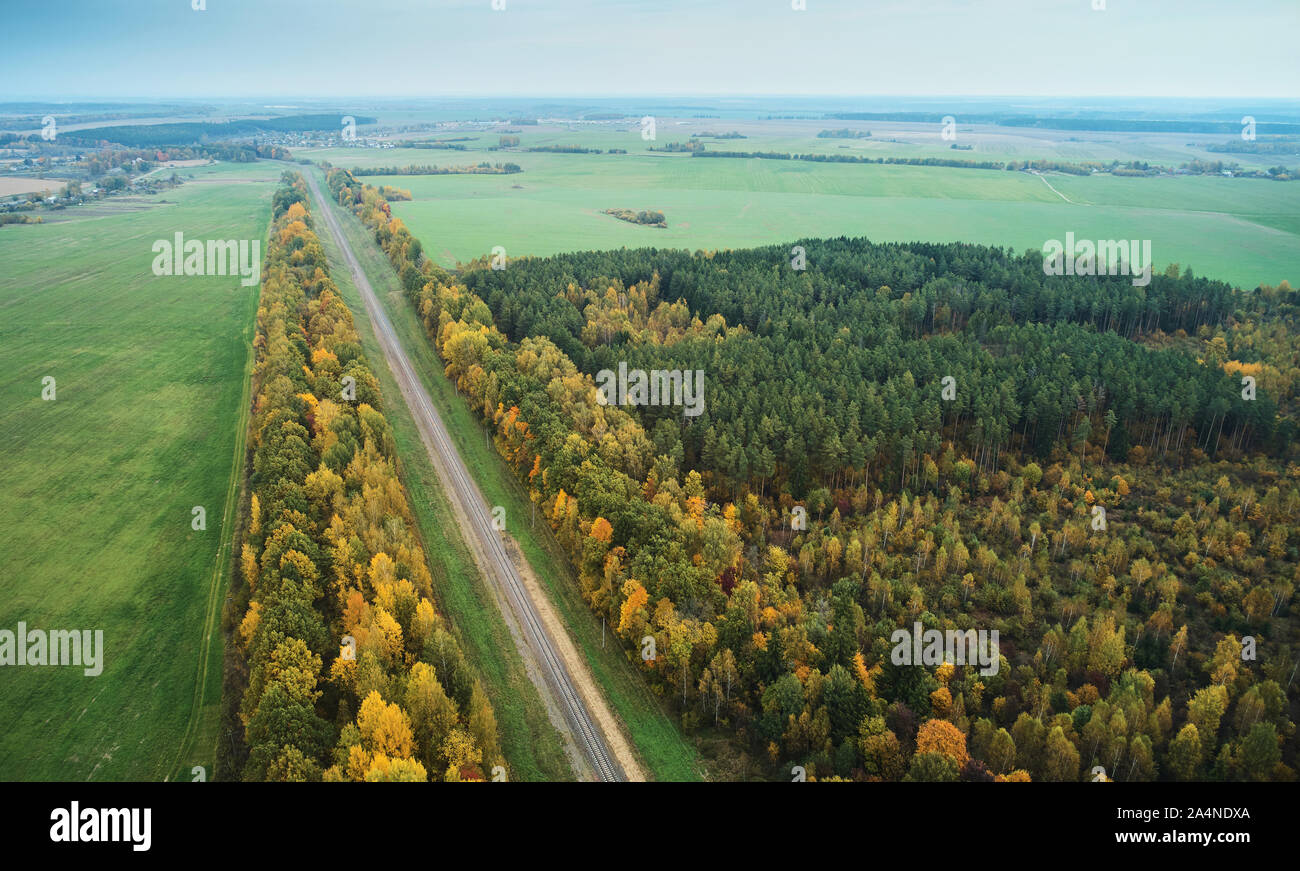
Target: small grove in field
column 1099, row 489
column 1133, row 168
column 646, row 218
column 341, row 668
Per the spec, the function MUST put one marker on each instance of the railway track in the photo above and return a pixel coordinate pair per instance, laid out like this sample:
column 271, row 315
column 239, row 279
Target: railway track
column 461, row 489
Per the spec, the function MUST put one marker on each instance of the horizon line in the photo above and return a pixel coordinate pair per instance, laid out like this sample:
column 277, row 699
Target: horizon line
column 611, row 96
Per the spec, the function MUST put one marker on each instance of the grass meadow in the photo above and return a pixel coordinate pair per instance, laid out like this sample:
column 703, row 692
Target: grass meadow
column 151, row 378
column 1245, row 231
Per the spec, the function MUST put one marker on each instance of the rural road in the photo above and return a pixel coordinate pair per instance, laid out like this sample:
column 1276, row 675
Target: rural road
column 484, row 540
column 1055, row 191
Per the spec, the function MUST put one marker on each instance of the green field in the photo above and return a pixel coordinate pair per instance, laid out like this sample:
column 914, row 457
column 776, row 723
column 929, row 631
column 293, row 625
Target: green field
column 95, row 523
column 888, row 138
column 1246, row 231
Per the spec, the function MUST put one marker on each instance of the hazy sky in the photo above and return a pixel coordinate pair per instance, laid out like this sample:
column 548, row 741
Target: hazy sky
column 66, row 49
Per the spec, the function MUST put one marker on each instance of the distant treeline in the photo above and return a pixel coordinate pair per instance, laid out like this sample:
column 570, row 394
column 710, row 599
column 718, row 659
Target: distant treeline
column 1216, row 167
column 193, row 132
column 692, row 146
column 844, row 133
column 43, row 108
column 1117, row 125
column 484, row 168
column 849, row 158
column 1139, row 126
column 27, row 122
column 435, row 145
column 734, row 134
column 1241, row 146
column 564, row 149
column 1135, row 168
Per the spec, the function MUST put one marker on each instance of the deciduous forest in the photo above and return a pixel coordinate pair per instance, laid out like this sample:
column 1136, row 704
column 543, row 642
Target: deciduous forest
column 341, row 666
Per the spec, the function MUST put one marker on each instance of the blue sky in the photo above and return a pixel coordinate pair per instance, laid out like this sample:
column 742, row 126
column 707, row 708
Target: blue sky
column 77, row 49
